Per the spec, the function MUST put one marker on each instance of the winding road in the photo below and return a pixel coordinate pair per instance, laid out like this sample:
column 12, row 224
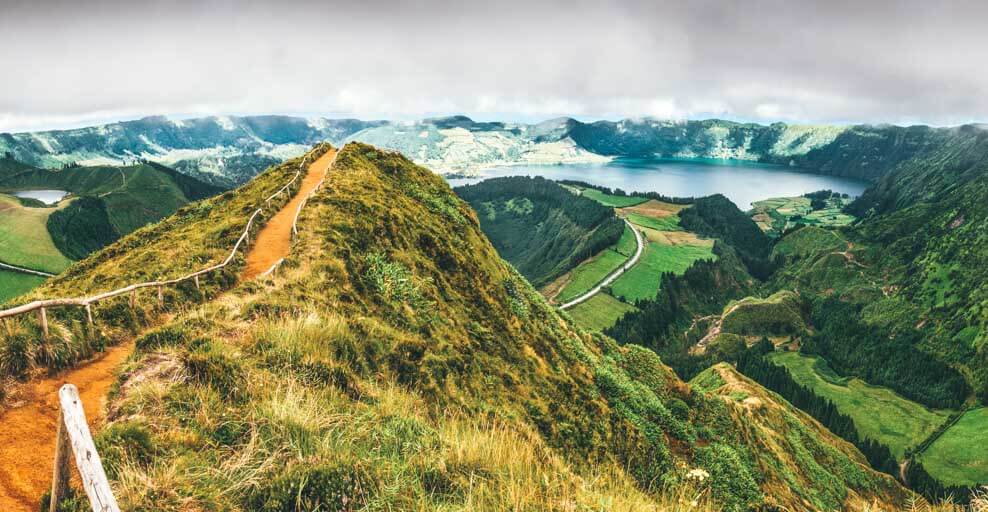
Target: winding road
column 613, row 275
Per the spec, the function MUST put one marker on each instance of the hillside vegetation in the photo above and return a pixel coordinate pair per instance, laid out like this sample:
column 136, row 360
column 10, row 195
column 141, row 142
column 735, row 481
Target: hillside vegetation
column 543, row 229
column 114, row 201
column 396, row 362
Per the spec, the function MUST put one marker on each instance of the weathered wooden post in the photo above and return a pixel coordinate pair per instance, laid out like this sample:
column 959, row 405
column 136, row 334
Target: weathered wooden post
column 197, row 283
column 89, row 313
column 43, row 318
column 161, row 296
column 78, row 438
column 60, row 472
column 133, row 299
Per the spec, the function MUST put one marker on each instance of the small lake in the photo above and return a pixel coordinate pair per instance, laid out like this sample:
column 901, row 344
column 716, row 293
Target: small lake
column 742, row 182
column 45, row 196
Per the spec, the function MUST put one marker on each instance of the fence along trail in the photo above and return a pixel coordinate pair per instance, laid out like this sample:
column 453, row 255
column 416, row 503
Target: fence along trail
column 28, row 430
column 274, row 241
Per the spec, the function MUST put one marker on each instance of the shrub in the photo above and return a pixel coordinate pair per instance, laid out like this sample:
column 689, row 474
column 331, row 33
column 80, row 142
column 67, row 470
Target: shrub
column 217, row 370
column 124, row 442
column 323, row 487
column 167, row 336
column 15, row 354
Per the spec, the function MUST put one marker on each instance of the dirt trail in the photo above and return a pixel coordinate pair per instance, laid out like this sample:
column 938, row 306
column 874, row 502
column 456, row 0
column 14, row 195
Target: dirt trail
column 275, row 239
column 27, row 432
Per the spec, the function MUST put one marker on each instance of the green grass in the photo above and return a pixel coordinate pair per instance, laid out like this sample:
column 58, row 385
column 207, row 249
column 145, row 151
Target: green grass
column 960, row 455
column 877, row 412
column 24, row 237
column 599, row 312
column 626, row 245
column 668, row 223
column 642, row 280
column 612, row 200
column 589, row 273
column 13, row 284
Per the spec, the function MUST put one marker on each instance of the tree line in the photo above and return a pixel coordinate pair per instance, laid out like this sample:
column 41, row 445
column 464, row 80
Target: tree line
column 892, row 360
column 621, row 193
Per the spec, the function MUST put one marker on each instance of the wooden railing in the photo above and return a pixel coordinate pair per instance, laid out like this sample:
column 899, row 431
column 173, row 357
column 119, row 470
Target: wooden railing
column 41, row 306
column 74, row 437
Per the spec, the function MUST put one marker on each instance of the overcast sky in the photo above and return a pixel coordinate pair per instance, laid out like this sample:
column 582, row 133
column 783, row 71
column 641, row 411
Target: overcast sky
column 71, row 63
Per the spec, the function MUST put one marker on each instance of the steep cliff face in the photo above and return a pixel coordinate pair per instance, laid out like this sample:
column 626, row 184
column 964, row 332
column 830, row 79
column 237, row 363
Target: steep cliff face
column 395, row 361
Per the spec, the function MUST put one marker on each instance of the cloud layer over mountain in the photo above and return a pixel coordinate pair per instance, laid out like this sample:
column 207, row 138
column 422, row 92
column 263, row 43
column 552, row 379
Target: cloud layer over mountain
column 69, row 63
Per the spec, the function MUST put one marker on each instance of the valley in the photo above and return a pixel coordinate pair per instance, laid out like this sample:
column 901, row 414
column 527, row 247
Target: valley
column 801, row 274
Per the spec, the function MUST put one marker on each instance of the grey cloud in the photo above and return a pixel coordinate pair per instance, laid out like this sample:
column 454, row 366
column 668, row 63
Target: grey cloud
column 828, row 61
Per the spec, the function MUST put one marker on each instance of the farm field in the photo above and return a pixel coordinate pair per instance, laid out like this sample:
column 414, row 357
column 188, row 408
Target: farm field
column 13, row 284
column 25, row 239
column 642, row 281
column 599, row 312
column 587, row 274
column 666, row 223
column 611, row 200
column 877, row 412
column 960, row 455
column 777, row 214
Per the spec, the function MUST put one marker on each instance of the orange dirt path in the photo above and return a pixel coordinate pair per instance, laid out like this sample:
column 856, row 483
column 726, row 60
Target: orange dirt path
column 27, row 432
column 275, row 239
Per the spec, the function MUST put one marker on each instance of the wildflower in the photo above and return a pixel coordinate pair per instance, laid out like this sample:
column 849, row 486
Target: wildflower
column 698, row 474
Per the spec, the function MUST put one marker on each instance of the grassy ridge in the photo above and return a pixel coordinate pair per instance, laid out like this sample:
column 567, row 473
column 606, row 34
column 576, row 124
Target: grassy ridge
column 878, row 413
column 24, row 237
column 418, row 371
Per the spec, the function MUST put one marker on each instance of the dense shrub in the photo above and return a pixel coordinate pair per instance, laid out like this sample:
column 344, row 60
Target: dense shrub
column 322, row 487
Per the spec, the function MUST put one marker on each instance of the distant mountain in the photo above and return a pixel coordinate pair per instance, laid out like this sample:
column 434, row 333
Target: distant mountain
column 224, row 151
column 228, row 150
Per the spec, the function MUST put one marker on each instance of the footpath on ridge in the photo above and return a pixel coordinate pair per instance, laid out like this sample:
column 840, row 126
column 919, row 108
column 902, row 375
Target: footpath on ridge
column 275, row 239
column 28, row 429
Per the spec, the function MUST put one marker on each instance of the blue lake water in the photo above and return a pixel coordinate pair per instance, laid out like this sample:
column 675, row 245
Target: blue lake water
column 742, row 182
column 45, row 196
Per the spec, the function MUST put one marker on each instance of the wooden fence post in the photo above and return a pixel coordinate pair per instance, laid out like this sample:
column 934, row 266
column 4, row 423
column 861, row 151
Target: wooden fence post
column 89, row 313
column 161, row 296
column 197, row 284
column 60, row 472
column 133, row 299
column 43, row 318
column 87, row 460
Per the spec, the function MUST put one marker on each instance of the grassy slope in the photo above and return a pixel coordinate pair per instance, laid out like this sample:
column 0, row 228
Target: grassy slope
column 397, row 361
column 599, row 312
column 878, row 412
column 666, row 223
column 25, row 239
column 789, row 438
column 13, row 284
column 960, row 455
column 591, row 272
column 642, row 280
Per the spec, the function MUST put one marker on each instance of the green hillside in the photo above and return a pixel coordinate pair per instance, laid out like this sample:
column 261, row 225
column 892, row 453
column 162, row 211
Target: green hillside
column 543, row 229
column 25, row 238
column 396, row 362
column 13, row 284
column 118, row 201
